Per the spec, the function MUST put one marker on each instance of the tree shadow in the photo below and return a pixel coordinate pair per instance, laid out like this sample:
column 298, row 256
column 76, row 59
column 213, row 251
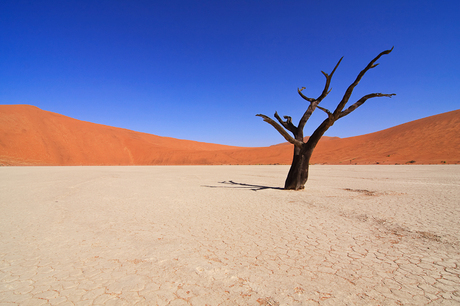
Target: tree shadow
column 232, row 184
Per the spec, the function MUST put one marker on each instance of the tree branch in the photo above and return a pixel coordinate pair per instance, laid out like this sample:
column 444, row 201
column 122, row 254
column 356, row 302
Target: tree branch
column 299, row 90
column 314, row 102
column 319, row 132
column 326, row 90
column 288, row 125
column 350, row 89
column 281, row 131
column 361, row 102
column 329, row 114
column 311, row 108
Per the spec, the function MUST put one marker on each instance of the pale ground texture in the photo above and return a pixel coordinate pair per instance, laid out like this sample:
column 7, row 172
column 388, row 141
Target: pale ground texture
column 187, row 235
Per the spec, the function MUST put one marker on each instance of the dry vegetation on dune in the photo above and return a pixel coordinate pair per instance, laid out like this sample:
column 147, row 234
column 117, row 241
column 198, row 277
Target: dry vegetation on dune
column 31, row 136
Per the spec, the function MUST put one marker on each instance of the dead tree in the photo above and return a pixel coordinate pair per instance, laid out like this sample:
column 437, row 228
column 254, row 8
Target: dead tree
column 298, row 173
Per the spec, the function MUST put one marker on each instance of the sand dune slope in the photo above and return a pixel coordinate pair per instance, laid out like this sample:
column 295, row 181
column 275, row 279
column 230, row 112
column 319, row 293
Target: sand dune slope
column 431, row 140
column 31, row 136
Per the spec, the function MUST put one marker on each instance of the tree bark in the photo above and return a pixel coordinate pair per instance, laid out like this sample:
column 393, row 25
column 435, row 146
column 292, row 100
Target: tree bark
column 298, row 173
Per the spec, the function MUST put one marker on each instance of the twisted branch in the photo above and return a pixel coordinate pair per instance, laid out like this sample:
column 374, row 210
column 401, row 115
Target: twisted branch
column 314, row 102
column 281, row 131
column 350, row 89
column 361, row 102
column 288, row 125
column 329, row 114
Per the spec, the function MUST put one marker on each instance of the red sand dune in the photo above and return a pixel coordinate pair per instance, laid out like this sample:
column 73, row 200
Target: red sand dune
column 31, row 136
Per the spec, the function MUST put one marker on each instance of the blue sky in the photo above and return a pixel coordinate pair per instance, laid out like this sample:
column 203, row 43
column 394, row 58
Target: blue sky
column 202, row 70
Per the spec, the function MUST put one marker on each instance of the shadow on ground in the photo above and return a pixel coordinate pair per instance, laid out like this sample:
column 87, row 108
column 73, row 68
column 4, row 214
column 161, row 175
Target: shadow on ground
column 232, row 184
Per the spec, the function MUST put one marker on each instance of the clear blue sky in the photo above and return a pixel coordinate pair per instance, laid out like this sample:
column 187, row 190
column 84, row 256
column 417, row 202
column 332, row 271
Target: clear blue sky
column 201, row 70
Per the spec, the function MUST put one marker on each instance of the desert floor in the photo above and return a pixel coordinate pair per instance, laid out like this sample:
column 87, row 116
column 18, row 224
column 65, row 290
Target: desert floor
column 228, row 235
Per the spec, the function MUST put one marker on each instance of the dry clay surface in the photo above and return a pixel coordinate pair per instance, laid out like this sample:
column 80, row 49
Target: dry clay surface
column 228, row 235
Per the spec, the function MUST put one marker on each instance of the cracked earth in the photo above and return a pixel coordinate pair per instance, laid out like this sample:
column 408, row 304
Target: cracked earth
column 227, row 235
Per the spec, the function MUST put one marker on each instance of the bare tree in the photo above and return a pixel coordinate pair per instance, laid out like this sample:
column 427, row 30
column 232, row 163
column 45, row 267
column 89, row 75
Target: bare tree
column 298, row 173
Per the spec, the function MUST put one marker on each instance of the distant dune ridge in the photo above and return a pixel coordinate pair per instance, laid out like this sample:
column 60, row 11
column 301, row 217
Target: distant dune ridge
column 31, row 136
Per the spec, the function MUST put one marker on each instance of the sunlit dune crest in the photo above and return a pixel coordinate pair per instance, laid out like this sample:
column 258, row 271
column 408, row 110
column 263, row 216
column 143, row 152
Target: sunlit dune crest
column 31, row 136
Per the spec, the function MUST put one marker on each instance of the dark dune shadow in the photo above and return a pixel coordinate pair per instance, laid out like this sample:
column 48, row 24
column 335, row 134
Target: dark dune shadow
column 232, row 184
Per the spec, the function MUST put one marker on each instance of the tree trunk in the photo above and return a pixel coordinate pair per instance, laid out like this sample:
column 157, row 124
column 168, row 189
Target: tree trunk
column 298, row 173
